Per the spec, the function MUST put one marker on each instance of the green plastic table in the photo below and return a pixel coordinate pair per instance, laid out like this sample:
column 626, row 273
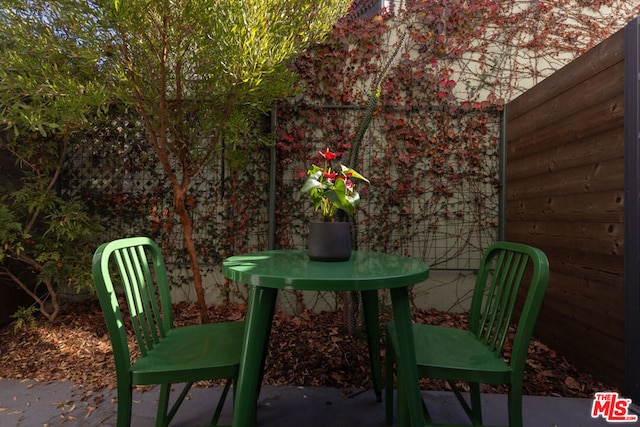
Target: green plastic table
column 367, row 272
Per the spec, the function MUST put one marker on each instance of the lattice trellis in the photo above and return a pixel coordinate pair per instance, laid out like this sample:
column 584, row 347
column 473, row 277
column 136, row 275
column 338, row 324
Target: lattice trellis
column 114, row 171
column 446, row 218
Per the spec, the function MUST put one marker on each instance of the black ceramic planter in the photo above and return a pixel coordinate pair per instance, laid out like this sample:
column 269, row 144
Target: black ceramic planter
column 329, row 241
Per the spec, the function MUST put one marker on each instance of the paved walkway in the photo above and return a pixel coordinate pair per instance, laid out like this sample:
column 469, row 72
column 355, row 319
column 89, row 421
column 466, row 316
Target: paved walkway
column 29, row 404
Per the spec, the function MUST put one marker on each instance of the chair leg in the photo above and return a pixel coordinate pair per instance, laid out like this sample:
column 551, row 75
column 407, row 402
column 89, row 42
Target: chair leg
column 476, row 405
column 223, row 398
column 125, row 397
column 472, row 408
column 163, row 404
column 165, row 415
column 515, row 406
column 389, row 362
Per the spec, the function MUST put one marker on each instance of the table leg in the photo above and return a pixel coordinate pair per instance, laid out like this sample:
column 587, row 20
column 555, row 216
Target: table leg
column 256, row 332
column 372, row 322
column 408, row 388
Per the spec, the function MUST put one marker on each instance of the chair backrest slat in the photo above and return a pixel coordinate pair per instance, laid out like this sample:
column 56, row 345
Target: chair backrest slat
column 140, row 292
column 514, row 265
column 150, row 289
column 491, row 301
column 504, row 269
column 129, row 284
column 138, row 266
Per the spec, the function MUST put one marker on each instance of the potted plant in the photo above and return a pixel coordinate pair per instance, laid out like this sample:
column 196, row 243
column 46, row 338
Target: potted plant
column 331, row 191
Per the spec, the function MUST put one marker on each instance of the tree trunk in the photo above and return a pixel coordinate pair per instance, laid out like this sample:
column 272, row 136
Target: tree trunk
column 50, row 314
column 187, row 227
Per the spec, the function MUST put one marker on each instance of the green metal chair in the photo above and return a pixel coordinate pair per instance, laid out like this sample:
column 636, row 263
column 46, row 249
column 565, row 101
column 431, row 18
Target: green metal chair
column 475, row 356
column 168, row 355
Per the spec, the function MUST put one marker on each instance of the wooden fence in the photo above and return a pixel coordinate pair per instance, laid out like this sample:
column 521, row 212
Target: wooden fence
column 565, row 194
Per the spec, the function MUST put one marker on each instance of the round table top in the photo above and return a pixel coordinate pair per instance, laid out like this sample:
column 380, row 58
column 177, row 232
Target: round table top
column 292, row 269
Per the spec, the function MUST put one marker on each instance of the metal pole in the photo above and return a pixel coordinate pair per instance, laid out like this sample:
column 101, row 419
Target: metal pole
column 502, row 195
column 632, row 210
column 272, row 182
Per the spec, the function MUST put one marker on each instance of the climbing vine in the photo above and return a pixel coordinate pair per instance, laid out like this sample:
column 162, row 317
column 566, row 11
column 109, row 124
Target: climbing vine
column 441, row 72
column 431, row 149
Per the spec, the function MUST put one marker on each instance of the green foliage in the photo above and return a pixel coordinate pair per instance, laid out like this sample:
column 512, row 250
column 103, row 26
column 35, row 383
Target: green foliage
column 24, row 318
column 202, row 73
column 329, row 190
column 9, row 233
column 51, row 239
column 198, row 73
column 50, row 79
column 51, row 88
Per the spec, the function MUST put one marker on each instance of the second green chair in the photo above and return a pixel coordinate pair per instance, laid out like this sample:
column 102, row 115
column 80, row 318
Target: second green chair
column 511, row 275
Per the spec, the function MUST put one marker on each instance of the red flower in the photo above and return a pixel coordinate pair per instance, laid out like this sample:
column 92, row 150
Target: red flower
column 330, row 175
column 349, row 185
column 328, row 155
column 329, row 190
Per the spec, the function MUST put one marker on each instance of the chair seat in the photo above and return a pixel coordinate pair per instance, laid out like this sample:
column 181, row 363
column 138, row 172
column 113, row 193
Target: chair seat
column 192, row 353
column 456, row 354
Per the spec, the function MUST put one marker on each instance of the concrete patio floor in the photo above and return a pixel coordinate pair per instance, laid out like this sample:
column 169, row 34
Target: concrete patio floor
column 29, row 404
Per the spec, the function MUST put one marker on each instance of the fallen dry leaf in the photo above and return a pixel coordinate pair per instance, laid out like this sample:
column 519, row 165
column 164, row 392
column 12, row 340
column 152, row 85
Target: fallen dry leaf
column 572, row 383
column 312, row 349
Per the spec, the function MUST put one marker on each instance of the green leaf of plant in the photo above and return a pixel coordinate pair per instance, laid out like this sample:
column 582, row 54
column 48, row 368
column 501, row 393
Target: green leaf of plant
column 352, row 173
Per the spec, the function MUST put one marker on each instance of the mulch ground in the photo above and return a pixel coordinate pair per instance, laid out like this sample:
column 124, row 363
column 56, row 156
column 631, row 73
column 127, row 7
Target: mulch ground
column 311, row 349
